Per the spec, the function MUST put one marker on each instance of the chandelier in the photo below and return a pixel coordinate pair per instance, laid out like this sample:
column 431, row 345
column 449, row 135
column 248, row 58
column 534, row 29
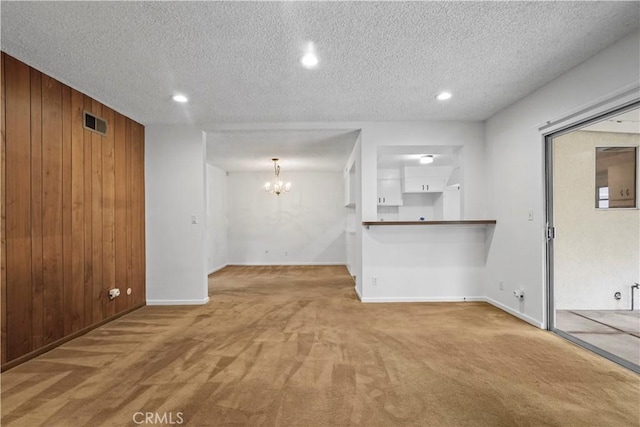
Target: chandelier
column 277, row 186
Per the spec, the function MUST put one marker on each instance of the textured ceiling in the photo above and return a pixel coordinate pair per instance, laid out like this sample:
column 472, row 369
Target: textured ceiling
column 299, row 150
column 238, row 63
column 628, row 122
column 398, row 156
column 379, row 61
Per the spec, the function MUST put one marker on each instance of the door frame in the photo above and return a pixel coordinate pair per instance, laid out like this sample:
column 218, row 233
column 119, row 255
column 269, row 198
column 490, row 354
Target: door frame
column 570, row 124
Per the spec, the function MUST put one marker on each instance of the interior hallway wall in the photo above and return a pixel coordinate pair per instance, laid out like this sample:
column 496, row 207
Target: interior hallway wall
column 175, row 196
column 418, row 262
column 305, row 226
column 217, row 223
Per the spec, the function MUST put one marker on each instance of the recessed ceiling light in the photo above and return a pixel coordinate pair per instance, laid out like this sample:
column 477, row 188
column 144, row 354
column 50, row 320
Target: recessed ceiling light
column 309, row 60
column 425, row 160
column 443, row 96
column 179, row 98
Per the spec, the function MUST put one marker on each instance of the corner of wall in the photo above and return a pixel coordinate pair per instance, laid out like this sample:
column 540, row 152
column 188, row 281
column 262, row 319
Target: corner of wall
column 176, row 214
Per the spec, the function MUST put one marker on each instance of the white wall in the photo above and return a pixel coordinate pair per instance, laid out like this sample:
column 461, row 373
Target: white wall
column 217, row 223
column 515, row 171
column 175, row 190
column 424, row 263
column 502, row 179
column 596, row 251
column 467, row 134
column 305, row 226
column 354, row 217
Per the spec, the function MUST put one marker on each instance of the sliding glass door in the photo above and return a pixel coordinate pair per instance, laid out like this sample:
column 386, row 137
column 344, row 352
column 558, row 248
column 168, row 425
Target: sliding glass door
column 594, row 235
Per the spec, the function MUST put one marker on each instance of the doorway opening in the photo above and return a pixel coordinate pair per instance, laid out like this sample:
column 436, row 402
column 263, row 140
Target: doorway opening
column 593, row 234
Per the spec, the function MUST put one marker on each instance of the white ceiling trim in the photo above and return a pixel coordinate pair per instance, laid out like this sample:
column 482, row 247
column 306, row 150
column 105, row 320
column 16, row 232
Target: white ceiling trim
column 251, row 150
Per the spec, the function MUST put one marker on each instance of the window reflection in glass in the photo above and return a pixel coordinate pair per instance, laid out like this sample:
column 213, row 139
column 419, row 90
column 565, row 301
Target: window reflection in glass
column 616, row 177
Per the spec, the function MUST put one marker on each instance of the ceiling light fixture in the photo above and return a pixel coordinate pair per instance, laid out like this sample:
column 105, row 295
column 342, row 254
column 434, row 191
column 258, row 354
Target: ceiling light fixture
column 309, row 60
column 425, row 160
column 443, row 96
column 277, row 186
column 179, row 98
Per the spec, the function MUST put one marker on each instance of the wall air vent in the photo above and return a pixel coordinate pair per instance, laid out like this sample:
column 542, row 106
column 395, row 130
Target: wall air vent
column 94, row 123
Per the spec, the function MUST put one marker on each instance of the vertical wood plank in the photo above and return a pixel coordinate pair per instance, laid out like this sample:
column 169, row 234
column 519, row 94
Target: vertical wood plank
column 143, row 265
column 129, row 210
column 96, row 216
column 37, row 280
column 67, row 291
column 108, row 215
column 88, row 221
column 3, row 242
column 52, row 227
column 18, row 207
column 72, row 211
column 77, row 302
column 135, row 267
column 137, row 222
column 120, row 204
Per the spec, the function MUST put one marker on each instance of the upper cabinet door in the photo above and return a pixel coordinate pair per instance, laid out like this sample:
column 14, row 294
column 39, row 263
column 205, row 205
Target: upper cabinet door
column 426, row 179
column 622, row 185
column 433, row 184
column 427, row 171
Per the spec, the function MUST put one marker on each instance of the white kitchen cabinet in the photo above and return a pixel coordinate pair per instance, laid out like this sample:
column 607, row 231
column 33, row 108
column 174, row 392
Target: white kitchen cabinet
column 389, row 192
column 427, row 171
column 431, row 184
column 426, row 179
column 622, row 186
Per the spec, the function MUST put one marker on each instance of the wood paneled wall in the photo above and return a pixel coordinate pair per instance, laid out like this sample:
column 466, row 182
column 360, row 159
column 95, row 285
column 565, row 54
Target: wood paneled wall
column 72, row 212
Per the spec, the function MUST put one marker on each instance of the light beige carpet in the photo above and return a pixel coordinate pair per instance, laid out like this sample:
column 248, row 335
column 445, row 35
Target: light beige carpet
column 292, row 346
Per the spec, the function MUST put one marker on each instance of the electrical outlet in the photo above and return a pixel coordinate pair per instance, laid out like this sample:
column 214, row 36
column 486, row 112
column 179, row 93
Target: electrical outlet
column 194, row 219
column 501, row 285
column 114, row 293
column 530, row 215
column 374, row 281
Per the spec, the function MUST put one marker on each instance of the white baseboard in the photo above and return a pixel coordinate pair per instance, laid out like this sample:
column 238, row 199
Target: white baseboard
column 285, row 263
column 367, row 299
column 358, row 293
column 216, row 269
column 422, row 299
column 493, row 302
column 177, row 301
column 513, row 312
